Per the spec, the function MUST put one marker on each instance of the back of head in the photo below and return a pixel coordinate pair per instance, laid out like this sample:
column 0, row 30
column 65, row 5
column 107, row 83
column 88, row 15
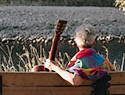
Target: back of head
column 85, row 36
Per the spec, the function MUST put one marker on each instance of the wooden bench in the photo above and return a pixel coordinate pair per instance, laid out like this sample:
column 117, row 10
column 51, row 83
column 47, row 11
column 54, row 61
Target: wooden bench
column 46, row 83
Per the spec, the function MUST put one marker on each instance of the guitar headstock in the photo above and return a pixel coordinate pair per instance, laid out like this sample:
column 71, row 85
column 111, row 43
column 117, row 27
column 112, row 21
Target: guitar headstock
column 60, row 26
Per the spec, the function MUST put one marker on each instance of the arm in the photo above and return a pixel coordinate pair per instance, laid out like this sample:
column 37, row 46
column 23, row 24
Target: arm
column 73, row 79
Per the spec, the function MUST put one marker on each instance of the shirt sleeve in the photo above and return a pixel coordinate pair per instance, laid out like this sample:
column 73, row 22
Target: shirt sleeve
column 78, row 64
column 81, row 68
column 107, row 66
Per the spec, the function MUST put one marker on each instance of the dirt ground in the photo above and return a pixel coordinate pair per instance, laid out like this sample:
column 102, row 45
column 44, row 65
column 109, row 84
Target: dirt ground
column 34, row 21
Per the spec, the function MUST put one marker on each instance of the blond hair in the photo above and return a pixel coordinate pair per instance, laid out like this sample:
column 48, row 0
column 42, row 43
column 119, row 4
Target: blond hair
column 85, row 36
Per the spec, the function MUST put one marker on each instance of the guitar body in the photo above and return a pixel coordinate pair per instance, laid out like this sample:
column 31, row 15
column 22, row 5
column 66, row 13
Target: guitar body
column 60, row 26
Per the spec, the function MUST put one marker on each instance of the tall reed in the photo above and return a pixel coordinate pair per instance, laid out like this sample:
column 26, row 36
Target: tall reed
column 28, row 59
column 32, row 57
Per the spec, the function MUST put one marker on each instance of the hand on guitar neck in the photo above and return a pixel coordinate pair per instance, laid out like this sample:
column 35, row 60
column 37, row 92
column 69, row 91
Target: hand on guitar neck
column 60, row 26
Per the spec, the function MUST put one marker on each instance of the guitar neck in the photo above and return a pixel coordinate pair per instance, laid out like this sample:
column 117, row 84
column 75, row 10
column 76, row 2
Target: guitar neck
column 59, row 29
column 54, row 47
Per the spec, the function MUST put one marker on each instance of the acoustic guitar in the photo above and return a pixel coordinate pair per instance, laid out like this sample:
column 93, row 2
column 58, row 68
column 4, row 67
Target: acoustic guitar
column 60, row 26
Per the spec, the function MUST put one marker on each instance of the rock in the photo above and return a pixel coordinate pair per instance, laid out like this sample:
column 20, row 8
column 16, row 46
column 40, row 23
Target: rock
column 70, row 42
column 34, row 41
column 100, row 38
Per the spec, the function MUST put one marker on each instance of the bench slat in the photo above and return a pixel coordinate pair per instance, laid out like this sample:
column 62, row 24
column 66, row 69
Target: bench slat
column 48, row 79
column 85, row 90
column 46, row 83
column 117, row 89
column 46, row 90
column 117, row 77
column 34, row 79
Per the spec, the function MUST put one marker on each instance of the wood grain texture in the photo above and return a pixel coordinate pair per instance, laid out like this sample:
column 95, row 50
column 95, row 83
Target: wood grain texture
column 34, row 79
column 117, row 77
column 117, row 89
column 85, row 90
column 50, row 83
column 49, row 79
column 46, row 91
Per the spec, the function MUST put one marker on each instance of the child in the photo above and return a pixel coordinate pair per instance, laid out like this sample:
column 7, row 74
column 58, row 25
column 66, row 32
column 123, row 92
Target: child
column 86, row 64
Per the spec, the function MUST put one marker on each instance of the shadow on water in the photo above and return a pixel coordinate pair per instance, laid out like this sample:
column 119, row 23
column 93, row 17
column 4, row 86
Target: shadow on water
column 115, row 49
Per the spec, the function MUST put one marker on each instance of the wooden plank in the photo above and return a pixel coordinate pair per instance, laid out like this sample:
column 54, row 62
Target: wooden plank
column 33, row 79
column 117, row 90
column 46, row 83
column 47, row 90
column 85, row 90
column 48, row 79
column 117, row 77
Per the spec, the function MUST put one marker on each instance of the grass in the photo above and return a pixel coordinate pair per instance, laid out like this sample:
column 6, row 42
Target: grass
column 119, row 67
column 29, row 58
column 116, row 66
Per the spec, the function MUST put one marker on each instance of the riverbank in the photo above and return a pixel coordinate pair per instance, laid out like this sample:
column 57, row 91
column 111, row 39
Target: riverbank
column 37, row 23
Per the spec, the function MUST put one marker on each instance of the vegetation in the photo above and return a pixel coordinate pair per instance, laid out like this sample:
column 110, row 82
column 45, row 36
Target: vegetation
column 101, row 3
column 120, row 4
column 30, row 58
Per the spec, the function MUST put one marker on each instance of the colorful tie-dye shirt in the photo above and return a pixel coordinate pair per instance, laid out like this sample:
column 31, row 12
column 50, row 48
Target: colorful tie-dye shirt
column 87, row 64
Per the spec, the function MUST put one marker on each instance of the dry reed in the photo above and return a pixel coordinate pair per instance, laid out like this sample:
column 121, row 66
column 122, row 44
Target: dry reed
column 31, row 57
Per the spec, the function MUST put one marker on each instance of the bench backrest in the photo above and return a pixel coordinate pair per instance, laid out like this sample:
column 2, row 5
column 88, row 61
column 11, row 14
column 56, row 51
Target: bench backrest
column 46, row 83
